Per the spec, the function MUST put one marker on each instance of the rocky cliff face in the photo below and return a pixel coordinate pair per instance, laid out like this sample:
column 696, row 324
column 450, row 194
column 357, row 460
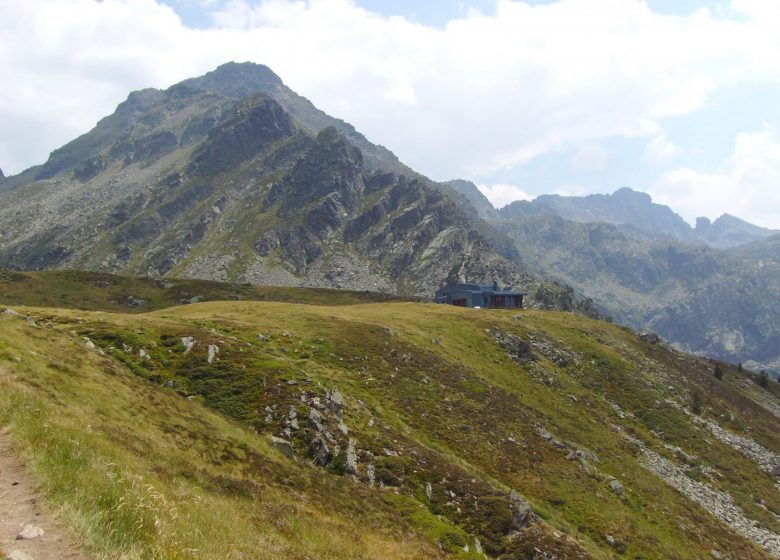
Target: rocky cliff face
column 715, row 303
column 234, row 177
column 636, row 210
column 729, row 231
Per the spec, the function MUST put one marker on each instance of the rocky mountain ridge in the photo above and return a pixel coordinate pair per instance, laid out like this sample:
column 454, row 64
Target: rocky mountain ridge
column 636, row 210
column 232, row 176
column 715, row 302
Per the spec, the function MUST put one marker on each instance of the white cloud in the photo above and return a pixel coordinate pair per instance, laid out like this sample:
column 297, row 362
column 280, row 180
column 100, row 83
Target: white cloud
column 660, row 150
column 591, row 157
column 483, row 94
column 500, row 194
column 747, row 186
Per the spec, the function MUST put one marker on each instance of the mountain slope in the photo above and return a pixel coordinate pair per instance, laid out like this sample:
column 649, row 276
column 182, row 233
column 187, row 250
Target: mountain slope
column 624, row 207
column 240, row 80
column 636, row 211
column 717, row 304
column 530, row 435
column 233, row 177
column 729, row 231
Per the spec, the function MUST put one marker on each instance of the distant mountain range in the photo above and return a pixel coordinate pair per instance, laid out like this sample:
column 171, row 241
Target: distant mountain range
column 633, row 209
column 232, row 176
column 713, row 290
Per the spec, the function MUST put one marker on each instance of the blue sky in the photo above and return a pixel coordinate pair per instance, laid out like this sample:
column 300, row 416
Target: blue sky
column 672, row 97
column 429, row 12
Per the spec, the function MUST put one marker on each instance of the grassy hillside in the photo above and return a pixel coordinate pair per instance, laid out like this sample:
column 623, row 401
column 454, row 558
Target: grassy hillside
column 96, row 291
column 403, row 430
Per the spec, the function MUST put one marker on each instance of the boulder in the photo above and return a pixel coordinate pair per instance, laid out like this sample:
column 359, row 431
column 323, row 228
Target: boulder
column 335, row 401
column 283, row 446
column 616, row 487
column 29, row 532
column 650, row 337
column 350, row 465
column 213, row 351
column 521, row 510
column 320, row 452
column 188, row 342
column 315, row 420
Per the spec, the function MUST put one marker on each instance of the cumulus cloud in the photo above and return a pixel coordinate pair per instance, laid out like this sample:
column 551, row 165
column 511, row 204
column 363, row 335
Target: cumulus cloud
column 660, row 150
column 500, row 194
column 746, row 186
column 482, row 95
column 591, row 157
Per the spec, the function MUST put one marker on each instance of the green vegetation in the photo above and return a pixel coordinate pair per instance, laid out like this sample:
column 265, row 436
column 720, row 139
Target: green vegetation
column 96, row 291
column 147, row 450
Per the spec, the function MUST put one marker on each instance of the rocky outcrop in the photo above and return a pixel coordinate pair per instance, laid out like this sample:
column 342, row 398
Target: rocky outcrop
column 766, row 459
column 719, row 504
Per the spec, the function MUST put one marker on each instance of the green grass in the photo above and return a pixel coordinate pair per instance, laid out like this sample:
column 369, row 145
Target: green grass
column 436, row 402
column 97, row 291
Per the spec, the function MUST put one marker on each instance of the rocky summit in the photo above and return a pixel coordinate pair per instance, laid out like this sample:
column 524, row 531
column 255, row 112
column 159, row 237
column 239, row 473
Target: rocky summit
column 234, row 177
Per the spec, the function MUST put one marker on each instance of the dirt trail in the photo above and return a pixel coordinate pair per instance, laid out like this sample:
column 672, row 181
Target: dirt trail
column 20, row 505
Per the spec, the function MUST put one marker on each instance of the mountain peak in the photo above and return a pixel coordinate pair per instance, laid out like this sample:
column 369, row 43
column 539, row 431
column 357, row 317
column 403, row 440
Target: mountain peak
column 627, row 193
column 237, row 80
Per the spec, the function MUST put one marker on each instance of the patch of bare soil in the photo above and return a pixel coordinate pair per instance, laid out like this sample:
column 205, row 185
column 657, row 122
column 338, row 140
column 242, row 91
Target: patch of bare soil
column 22, row 511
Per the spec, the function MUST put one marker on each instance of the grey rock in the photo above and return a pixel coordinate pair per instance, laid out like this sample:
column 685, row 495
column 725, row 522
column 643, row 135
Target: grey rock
column 11, row 313
column 616, row 487
column 19, row 555
column 315, row 420
column 719, row 504
column 350, row 466
column 30, row 532
column 716, row 555
column 428, row 490
column 521, row 510
column 335, row 401
column 283, row 446
column 188, row 342
column 650, row 337
column 212, row 352
column 320, row 452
